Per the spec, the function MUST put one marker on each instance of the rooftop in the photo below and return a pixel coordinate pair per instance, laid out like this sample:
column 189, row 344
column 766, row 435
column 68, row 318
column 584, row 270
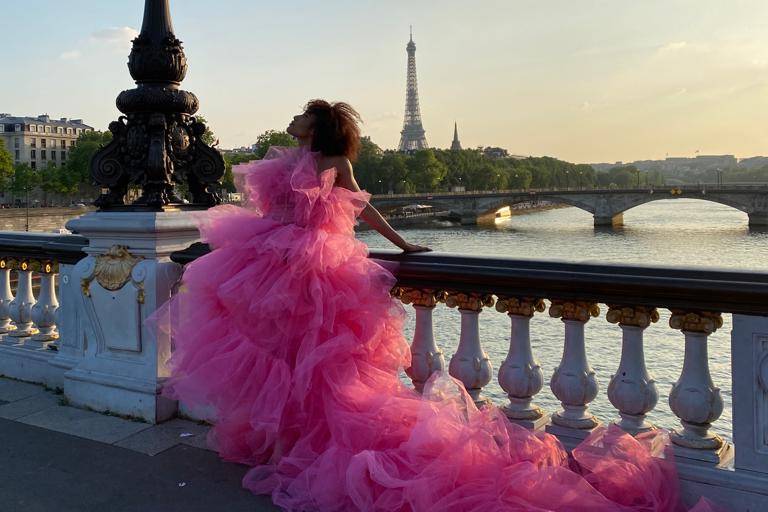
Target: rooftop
column 42, row 119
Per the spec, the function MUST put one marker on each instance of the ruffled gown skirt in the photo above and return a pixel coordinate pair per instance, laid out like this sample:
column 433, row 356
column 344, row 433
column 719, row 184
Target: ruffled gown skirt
column 288, row 334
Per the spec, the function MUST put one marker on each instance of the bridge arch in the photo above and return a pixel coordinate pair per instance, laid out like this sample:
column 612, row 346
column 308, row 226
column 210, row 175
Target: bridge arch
column 511, row 201
column 710, row 197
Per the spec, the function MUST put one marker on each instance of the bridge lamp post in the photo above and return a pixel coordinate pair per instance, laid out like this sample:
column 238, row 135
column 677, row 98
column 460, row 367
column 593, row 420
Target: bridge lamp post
column 381, row 188
column 567, row 184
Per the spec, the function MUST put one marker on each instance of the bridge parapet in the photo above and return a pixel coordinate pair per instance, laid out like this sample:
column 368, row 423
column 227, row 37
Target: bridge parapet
column 576, row 294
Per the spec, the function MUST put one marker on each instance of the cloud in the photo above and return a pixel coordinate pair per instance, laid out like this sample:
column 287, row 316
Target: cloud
column 70, row 55
column 115, row 37
column 383, row 117
column 115, row 40
column 673, row 46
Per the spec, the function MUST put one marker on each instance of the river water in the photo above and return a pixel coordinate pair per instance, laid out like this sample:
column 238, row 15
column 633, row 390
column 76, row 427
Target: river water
column 672, row 232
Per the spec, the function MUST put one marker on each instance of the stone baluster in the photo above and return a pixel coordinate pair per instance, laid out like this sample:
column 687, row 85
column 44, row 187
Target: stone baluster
column 632, row 390
column 470, row 363
column 694, row 398
column 44, row 310
column 520, row 375
column 6, row 297
column 426, row 356
column 573, row 381
column 21, row 305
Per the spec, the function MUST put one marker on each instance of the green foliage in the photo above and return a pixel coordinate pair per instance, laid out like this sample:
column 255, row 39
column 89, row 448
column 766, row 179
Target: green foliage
column 756, row 175
column 621, row 176
column 6, row 167
column 208, row 137
column 425, row 171
column 25, row 179
column 78, row 166
column 230, row 160
column 436, row 170
column 273, row 138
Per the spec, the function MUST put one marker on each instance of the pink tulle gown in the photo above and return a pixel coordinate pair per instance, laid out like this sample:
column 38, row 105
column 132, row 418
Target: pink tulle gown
column 287, row 331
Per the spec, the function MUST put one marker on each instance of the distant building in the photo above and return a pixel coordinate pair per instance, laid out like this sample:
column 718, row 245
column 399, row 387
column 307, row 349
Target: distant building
column 455, row 145
column 495, row 152
column 38, row 141
column 676, row 166
column 754, row 162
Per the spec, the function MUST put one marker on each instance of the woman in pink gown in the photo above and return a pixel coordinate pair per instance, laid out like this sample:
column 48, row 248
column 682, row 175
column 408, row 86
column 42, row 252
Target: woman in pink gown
column 287, row 332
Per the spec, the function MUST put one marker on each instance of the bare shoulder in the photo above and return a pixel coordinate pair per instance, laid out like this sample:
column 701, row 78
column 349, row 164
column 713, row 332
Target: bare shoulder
column 341, row 163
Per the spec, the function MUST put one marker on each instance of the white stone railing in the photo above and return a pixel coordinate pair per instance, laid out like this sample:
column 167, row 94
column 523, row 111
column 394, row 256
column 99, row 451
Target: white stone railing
column 733, row 473
column 32, row 266
column 72, row 314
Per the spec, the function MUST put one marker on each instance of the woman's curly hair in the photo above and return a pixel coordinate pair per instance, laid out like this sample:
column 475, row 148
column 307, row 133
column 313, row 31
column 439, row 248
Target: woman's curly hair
column 336, row 128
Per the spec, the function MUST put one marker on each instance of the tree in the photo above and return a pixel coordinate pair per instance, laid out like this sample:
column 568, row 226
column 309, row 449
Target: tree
column 6, row 167
column 25, row 179
column 230, row 160
column 272, row 138
column 78, row 165
column 395, row 171
column 426, row 171
column 208, row 137
column 623, row 176
column 49, row 181
column 369, row 172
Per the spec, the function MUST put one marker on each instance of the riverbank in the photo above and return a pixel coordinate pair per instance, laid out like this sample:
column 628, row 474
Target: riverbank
column 447, row 219
column 40, row 219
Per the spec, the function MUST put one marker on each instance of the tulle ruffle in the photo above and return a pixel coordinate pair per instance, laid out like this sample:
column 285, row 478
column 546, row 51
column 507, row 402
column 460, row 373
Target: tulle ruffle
column 287, row 332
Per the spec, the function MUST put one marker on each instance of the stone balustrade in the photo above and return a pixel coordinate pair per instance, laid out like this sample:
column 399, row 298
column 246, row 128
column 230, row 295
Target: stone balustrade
column 730, row 472
column 32, row 268
column 42, row 341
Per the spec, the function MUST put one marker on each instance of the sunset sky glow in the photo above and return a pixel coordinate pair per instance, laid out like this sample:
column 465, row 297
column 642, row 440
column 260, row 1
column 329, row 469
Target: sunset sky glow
column 584, row 81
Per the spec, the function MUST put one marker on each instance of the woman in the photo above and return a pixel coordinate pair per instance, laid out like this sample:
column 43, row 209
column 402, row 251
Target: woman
column 286, row 332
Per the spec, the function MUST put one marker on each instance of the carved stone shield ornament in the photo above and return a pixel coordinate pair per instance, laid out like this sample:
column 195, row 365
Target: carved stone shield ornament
column 113, row 268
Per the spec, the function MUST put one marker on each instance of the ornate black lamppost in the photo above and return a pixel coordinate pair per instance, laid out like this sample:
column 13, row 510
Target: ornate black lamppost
column 157, row 143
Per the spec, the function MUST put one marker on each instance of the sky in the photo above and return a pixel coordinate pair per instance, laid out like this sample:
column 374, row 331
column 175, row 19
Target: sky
column 582, row 80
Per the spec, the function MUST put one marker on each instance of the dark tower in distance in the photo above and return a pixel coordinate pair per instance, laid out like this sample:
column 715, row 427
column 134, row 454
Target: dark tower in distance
column 455, row 145
column 412, row 137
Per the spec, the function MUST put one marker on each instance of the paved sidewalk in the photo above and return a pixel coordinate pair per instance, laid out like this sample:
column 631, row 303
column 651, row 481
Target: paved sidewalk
column 55, row 458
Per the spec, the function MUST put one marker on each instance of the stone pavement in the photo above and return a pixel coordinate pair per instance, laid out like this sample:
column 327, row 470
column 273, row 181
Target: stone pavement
column 59, row 458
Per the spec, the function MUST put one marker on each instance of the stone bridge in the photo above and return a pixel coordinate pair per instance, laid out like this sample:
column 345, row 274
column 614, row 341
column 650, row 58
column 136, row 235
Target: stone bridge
column 606, row 205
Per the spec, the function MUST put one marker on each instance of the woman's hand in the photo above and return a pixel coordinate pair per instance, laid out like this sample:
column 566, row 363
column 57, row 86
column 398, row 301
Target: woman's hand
column 414, row 248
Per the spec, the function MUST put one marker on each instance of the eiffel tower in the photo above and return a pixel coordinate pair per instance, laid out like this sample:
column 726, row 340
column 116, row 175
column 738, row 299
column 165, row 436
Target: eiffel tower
column 412, row 137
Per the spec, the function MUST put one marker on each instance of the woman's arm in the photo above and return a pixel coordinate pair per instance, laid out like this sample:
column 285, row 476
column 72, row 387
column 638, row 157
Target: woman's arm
column 346, row 178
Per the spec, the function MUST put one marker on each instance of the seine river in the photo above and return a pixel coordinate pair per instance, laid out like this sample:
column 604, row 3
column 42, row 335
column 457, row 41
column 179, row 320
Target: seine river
column 674, row 232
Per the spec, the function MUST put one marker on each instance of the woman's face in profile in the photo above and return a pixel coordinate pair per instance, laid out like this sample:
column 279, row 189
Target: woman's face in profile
column 301, row 126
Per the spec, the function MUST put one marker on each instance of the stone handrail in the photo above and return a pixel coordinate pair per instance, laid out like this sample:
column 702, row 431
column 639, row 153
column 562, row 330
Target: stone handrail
column 29, row 322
